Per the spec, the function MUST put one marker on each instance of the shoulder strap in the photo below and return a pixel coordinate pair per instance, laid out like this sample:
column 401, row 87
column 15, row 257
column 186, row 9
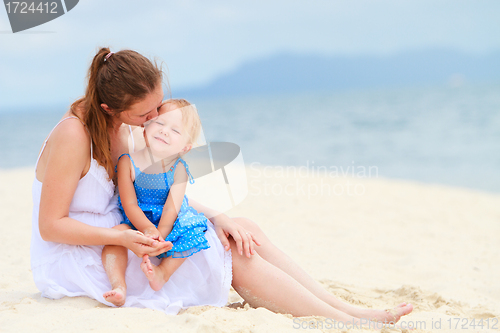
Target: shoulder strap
column 132, row 137
column 48, row 136
column 136, row 169
column 190, row 177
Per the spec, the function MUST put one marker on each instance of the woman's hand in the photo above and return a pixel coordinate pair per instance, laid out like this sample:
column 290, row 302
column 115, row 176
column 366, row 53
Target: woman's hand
column 225, row 226
column 140, row 244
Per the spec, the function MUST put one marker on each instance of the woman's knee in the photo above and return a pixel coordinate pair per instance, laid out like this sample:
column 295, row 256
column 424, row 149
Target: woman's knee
column 242, row 265
column 247, row 224
column 254, row 228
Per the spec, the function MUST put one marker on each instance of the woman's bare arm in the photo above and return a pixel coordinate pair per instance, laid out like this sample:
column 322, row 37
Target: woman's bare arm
column 225, row 226
column 68, row 154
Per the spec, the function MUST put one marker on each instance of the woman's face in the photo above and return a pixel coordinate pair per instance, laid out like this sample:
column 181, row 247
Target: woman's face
column 143, row 110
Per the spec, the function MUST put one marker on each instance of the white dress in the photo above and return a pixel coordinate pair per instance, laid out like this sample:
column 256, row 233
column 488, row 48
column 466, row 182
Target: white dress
column 74, row 270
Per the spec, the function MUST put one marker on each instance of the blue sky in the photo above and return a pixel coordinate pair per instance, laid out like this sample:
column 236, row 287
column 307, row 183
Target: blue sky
column 199, row 40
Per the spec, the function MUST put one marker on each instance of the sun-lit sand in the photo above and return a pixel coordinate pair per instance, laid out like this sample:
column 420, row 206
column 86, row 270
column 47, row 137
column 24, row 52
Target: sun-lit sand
column 372, row 242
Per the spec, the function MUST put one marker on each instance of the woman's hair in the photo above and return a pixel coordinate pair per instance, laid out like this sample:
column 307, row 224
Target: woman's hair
column 190, row 118
column 118, row 80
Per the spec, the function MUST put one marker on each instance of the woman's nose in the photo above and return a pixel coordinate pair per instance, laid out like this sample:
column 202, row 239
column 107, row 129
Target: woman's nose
column 153, row 114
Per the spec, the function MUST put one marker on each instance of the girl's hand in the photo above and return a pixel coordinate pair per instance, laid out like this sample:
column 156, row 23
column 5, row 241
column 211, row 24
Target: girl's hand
column 244, row 239
column 154, row 234
column 140, row 244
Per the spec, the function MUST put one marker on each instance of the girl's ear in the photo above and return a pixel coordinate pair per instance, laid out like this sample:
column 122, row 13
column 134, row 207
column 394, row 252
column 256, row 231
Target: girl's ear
column 186, row 149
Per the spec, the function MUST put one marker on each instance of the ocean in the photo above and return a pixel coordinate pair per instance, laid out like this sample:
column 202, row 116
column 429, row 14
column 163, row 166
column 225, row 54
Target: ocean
column 443, row 135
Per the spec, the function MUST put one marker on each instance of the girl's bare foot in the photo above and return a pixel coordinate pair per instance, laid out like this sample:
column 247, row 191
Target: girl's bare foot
column 153, row 273
column 116, row 296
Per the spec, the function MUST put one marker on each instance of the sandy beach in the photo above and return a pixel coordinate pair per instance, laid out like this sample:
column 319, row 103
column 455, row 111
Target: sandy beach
column 372, row 242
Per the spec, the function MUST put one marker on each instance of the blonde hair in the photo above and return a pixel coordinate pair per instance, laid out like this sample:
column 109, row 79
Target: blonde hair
column 190, row 118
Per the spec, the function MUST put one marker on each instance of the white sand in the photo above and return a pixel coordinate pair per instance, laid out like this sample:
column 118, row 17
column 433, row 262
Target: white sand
column 434, row 246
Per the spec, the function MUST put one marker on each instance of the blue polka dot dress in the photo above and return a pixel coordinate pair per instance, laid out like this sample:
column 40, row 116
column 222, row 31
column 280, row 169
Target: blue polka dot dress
column 188, row 232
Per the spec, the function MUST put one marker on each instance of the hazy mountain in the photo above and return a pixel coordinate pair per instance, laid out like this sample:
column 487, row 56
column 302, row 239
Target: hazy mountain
column 298, row 73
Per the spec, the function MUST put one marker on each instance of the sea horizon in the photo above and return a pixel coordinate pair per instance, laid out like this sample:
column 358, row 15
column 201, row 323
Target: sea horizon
column 437, row 135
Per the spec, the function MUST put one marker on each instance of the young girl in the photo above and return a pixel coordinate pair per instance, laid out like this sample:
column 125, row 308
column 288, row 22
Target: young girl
column 151, row 184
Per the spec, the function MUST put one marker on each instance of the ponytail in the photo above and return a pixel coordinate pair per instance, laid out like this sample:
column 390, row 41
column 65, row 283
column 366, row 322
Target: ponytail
column 118, row 80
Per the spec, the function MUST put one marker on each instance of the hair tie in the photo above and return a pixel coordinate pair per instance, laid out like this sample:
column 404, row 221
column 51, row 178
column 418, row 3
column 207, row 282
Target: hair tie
column 108, row 55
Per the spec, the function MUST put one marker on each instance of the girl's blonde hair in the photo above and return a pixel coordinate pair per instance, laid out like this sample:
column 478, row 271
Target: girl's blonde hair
column 190, row 118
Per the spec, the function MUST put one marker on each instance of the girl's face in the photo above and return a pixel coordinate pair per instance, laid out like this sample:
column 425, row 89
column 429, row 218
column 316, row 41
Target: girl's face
column 166, row 135
column 144, row 110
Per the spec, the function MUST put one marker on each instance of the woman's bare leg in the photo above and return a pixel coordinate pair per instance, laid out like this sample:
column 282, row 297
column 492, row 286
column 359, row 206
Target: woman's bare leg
column 114, row 260
column 262, row 284
column 278, row 258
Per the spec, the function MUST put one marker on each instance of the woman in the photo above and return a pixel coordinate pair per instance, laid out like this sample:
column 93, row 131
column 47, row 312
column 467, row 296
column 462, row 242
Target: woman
column 74, row 211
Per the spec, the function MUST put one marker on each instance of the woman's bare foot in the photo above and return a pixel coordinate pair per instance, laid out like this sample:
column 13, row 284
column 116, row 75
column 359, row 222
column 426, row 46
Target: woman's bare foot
column 116, row 296
column 389, row 315
column 153, row 273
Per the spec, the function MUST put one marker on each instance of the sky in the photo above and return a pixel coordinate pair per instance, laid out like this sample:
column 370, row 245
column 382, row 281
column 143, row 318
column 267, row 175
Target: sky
column 200, row 40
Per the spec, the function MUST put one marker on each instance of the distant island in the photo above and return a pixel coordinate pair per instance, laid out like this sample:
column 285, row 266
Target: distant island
column 288, row 73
